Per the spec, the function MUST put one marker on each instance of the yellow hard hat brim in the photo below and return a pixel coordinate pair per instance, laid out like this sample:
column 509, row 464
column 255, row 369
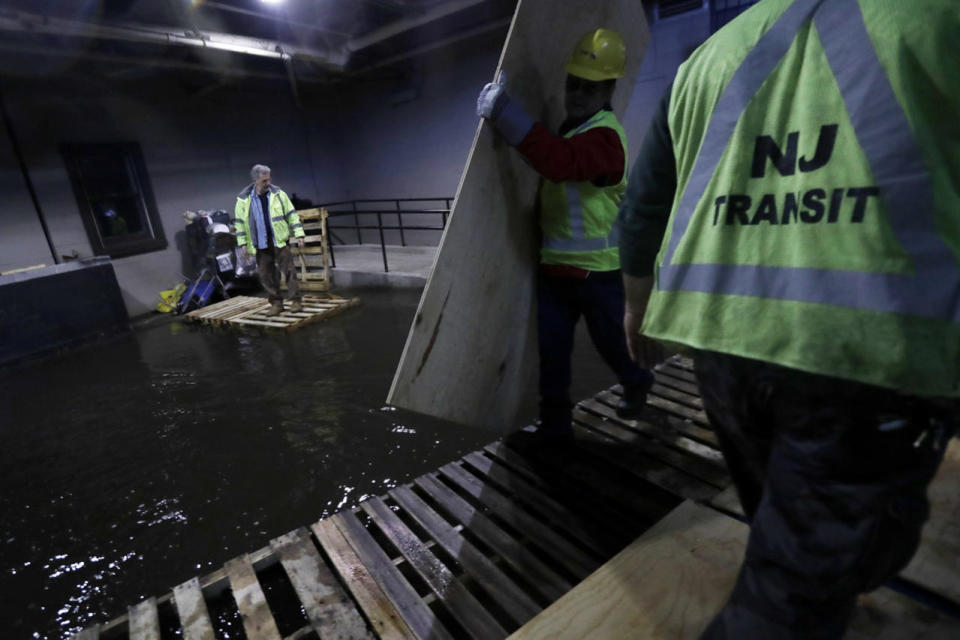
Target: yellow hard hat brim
column 587, row 73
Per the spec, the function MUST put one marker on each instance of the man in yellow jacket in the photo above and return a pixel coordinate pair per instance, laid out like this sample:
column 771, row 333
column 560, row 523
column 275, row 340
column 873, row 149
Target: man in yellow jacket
column 802, row 176
column 264, row 219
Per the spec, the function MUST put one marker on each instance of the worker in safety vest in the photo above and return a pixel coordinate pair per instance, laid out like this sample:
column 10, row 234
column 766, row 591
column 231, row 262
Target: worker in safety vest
column 264, row 218
column 803, row 174
column 585, row 175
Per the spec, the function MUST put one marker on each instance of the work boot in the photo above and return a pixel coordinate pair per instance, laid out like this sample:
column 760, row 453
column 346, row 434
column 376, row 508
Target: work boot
column 297, row 306
column 634, row 399
column 276, row 308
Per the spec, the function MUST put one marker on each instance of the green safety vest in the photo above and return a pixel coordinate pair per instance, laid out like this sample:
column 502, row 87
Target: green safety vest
column 578, row 219
column 283, row 218
column 817, row 218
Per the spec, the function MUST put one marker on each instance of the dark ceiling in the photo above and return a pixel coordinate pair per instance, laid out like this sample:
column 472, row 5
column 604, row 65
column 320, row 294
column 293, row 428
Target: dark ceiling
column 300, row 41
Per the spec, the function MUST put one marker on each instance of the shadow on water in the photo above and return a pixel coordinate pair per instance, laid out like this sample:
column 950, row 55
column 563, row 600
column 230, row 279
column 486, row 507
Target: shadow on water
column 130, row 467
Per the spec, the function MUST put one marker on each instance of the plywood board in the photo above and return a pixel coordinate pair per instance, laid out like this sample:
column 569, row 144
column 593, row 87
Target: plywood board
column 672, row 580
column 471, row 351
column 937, row 563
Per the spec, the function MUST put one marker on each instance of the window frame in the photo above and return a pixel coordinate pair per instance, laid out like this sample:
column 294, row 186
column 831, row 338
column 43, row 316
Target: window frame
column 152, row 236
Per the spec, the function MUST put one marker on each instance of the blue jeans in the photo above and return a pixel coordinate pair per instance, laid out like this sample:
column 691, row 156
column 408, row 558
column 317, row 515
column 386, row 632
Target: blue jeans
column 560, row 303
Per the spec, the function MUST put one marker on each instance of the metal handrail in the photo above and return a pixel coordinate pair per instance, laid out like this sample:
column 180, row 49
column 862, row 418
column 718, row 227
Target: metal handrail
column 394, row 208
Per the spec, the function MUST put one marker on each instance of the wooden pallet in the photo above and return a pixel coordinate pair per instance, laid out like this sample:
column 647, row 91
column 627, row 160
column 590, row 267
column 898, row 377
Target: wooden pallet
column 246, row 311
column 314, row 258
column 502, row 536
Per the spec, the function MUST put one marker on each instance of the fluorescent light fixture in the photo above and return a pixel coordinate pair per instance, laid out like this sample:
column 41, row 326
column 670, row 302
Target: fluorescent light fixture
column 272, row 1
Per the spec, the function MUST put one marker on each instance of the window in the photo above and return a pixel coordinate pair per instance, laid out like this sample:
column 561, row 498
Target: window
column 114, row 196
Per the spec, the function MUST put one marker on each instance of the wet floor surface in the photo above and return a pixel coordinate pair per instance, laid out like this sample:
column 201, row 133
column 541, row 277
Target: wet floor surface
column 129, row 467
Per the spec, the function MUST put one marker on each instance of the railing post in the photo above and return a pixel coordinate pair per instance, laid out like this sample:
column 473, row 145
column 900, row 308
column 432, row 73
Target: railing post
column 383, row 246
column 403, row 241
column 356, row 222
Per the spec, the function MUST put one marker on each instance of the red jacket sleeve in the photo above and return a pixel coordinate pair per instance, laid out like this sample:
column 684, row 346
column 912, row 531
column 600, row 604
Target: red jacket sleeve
column 596, row 155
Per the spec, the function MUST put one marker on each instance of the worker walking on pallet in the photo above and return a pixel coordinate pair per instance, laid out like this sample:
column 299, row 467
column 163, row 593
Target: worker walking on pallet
column 802, row 173
column 264, row 218
column 585, row 175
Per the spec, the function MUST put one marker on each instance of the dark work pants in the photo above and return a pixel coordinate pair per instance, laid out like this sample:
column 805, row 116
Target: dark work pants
column 560, row 303
column 268, row 261
column 832, row 475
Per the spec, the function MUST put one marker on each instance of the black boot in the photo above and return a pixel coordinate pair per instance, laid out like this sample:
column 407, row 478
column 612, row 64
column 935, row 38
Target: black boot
column 634, row 399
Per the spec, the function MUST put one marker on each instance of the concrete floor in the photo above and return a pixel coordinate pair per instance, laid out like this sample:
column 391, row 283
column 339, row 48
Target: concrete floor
column 362, row 266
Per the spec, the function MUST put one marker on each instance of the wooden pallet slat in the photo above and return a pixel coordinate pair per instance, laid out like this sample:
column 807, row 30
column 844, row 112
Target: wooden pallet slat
column 192, row 611
column 671, row 369
column 258, row 622
column 462, row 604
column 596, row 538
column 663, row 378
column 144, row 620
column 663, row 434
column 564, row 552
column 247, row 311
column 90, row 633
column 511, row 598
column 377, row 607
column 626, row 504
column 545, row 579
column 652, row 462
column 408, row 603
column 328, row 608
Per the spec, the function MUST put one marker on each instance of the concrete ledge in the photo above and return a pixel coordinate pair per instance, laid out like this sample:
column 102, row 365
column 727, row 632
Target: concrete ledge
column 359, row 279
column 362, row 266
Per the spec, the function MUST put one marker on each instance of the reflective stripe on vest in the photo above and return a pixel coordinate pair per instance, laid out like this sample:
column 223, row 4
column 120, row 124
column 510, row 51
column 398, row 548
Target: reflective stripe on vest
column 579, row 240
column 884, row 135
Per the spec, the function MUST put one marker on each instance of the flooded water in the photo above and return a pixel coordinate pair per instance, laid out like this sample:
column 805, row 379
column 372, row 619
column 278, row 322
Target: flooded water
column 129, row 467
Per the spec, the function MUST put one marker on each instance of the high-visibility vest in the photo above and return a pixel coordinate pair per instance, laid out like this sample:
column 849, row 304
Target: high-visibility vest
column 283, row 218
column 578, row 219
column 817, row 218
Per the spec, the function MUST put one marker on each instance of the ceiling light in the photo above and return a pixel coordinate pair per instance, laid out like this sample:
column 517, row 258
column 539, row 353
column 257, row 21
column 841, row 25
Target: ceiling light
column 271, row 1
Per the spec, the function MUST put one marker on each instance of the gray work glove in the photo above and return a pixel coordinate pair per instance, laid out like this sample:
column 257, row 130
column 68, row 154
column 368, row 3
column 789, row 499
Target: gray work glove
column 508, row 117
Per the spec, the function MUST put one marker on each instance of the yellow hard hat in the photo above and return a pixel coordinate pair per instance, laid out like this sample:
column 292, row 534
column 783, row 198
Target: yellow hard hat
column 600, row 55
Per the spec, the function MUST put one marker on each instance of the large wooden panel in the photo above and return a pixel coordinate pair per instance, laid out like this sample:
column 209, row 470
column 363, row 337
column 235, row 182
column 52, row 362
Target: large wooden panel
column 674, row 578
column 471, row 350
column 667, row 584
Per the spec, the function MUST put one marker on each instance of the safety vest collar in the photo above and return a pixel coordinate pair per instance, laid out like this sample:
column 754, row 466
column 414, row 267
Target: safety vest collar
column 884, row 134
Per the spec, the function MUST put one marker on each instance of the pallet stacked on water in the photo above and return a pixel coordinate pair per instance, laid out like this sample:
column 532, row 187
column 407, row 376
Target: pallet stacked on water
column 247, row 311
column 503, row 535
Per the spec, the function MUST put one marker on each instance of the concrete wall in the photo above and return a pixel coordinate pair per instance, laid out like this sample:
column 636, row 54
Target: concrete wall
column 672, row 41
column 402, row 132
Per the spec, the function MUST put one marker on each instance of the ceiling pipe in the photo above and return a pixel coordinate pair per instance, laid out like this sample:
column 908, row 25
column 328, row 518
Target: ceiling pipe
column 22, row 22
column 407, row 24
column 160, row 63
